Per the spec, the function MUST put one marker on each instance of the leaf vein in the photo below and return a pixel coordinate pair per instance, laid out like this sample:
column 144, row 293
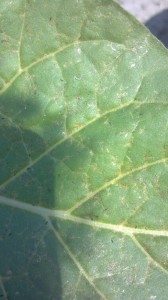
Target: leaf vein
column 20, row 172
column 147, row 254
column 43, row 58
column 55, row 145
column 78, row 265
column 114, row 180
column 45, row 213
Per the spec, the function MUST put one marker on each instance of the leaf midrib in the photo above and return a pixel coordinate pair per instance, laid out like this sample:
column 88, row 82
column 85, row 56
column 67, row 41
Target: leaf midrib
column 64, row 215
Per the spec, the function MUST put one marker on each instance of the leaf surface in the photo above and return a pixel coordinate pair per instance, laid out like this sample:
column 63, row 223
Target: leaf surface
column 84, row 151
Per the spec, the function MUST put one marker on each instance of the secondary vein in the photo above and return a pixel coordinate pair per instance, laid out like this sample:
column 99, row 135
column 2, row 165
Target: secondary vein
column 114, row 180
column 147, row 254
column 78, row 265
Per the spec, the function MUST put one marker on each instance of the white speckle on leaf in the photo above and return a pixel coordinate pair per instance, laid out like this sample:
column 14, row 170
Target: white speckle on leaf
column 79, row 50
column 132, row 65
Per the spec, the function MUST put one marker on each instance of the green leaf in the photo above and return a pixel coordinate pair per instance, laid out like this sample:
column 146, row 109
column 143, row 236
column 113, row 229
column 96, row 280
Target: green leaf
column 83, row 155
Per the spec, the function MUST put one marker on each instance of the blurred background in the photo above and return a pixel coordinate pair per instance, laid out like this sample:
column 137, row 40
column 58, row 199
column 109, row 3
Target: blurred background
column 153, row 13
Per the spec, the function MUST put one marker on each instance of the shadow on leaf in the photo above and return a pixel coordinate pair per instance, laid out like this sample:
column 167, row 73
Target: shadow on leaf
column 28, row 252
